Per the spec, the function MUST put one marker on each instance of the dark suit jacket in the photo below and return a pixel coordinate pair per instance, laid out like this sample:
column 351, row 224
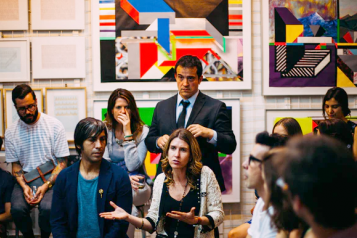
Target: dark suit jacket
column 116, row 187
column 207, row 112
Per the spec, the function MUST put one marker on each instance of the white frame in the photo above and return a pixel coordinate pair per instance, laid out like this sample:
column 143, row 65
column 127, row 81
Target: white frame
column 98, row 86
column 22, row 23
column 9, row 107
column 236, row 164
column 269, row 91
column 39, row 73
column 81, row 92
column 76, row 24
column 2, row 111
column 24, row 75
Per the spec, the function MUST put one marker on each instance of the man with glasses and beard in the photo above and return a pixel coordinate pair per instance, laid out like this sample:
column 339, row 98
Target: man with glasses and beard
column 31, row 141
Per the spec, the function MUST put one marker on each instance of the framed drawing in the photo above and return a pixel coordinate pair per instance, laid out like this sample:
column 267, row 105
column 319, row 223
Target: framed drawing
column 136, row 43
column 309, row 47
column 307, row 118
column 57, row 15
column 10, row 110
column 230, row 164
column 14, row 15
column 68, row 105
column 58, row 57
column 2, row 131
column 14, row 60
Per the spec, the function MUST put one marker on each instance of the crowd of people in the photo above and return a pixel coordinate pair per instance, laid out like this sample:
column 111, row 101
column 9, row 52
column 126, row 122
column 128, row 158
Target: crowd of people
column 304, row 184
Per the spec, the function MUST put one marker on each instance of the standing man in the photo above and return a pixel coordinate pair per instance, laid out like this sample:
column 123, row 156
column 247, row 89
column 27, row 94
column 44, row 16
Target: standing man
column 31, row 141
column 85, row 189
column 206, row 118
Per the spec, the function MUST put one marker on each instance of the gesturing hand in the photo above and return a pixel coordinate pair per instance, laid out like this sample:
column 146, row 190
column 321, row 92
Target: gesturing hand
column 161, row 142
column 198, row 130
column 187, row 217
column 124, row 119
column 118, row 213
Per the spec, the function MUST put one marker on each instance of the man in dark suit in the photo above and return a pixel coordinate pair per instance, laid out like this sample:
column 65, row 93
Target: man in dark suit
column 206, row 118
column 85, row 189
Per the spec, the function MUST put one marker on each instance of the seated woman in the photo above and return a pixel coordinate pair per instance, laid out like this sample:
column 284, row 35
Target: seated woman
column 125, row 144
column 287, row 126
column 338, row 129
column 185, row 194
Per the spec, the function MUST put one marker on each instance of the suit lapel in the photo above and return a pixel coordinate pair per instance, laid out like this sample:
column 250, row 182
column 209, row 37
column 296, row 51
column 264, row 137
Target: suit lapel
column 172, row 102
column 105, row 176
column 200, row 101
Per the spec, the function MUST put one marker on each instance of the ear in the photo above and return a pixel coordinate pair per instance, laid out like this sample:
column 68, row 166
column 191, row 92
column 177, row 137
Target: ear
column 200, row 79
column 296, row 204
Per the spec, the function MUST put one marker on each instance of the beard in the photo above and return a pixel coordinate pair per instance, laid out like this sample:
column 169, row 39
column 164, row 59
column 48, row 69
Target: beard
column 29, row 118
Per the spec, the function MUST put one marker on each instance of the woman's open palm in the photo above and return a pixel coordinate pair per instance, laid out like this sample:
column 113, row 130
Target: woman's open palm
column 118, row 213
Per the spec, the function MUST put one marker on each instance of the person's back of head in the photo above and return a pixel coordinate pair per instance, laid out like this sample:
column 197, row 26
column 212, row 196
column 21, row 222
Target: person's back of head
column 321, row 176
column 337, row 129
column 274, row 140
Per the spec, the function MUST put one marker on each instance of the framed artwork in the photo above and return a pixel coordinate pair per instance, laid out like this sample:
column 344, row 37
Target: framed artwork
column 230, row 164
column 13, row 15
column 14, row 60
column 57, row 15
column 2, row 132
column 68, row 105
column 136, row 43
column 58, row 57
column 309, row 46
column 10, row 110
column 308, row 119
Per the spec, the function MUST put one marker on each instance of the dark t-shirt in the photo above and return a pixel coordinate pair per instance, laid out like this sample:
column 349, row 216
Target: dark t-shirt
column 6, row 186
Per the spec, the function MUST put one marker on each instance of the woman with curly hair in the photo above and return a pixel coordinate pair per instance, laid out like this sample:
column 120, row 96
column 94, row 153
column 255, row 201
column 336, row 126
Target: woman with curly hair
column 186, row 199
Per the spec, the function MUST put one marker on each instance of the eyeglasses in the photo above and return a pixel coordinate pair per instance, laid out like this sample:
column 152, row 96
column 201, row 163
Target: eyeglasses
column 31, row 108
column 252, row 158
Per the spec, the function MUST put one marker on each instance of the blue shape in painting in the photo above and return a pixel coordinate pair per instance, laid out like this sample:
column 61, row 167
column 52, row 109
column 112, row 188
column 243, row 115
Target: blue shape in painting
column 316, row 19
column 150, row 6
column 163, row 33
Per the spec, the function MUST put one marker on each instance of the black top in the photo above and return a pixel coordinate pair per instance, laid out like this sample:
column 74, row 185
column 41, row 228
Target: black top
column 6, row 186
column 352, row 126
column 190, row 200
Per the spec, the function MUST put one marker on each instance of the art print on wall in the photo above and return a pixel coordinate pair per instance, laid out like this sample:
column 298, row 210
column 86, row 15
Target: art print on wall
column 230, row 164
column 309, row 46
column 13, row 15
column 137, row 43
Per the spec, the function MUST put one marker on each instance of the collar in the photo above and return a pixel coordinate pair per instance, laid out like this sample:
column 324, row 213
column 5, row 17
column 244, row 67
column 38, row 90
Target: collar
column 191, row 99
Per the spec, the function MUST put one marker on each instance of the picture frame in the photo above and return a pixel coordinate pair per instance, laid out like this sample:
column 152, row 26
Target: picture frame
column 58, row 15
column 230, row 164
column 2, row 130
column 68, row 105
column 104, row 19
column 10, row 111
column 58, row 57
column 14, row 15
column 14, row 60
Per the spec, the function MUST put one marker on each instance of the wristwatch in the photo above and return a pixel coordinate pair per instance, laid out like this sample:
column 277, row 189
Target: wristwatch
column 49, row 184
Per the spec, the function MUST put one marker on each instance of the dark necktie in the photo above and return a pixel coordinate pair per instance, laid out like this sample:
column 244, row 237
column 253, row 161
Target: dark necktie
column 181, row 119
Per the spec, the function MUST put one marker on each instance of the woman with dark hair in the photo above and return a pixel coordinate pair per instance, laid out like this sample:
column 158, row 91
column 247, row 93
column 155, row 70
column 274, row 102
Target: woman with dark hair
column 287, row 126
column 186, row 199
column 335, row 106
column 338, row 129
column 126, row 146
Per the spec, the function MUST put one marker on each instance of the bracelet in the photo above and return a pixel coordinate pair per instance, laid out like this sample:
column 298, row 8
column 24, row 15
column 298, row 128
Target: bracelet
column 199, row 221
column 142, row 224
column 128, row 136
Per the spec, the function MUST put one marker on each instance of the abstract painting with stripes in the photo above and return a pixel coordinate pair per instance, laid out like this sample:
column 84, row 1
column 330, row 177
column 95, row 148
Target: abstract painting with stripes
column 142, row 40
column 312, row 43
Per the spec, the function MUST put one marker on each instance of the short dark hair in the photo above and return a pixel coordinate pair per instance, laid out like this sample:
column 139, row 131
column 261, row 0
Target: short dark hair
column 21, row 91
column 291, row 126
column 190, row 61
column 321, row 171
column 272, row 141
column 338, row 129
column 340, row 95
column 86, row 128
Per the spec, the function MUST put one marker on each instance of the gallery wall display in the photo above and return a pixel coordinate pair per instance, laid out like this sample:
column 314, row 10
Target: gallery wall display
column 13, row 15
column 57, row 15
column 230, row 164
column 2, row 131
column 68, row 105
column 14, row 60
column 136, row 43
column 58, row 57
column 309, row 46
column 10, row 110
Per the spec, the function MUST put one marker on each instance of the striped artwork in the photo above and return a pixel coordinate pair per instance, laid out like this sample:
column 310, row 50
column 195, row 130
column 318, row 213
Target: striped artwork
column 235, row 17
column 280, row 58
column 107, row 19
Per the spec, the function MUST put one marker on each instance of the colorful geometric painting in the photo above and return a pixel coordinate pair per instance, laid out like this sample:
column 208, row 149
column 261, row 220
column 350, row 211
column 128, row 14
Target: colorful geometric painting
column 312, row 43
column 140, row 41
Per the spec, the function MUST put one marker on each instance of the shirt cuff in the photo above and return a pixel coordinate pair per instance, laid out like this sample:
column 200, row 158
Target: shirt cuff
column 156, row 143
column 213, row 141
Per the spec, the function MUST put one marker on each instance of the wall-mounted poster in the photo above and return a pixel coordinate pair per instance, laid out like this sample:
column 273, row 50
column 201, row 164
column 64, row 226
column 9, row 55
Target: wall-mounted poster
column 57, row 15
column 68, row 105
column 137, row 43
column 58, row 57
column 309, row 46
column 230, row 164
column 14, row 60
column 10, row 110
column 13, row 15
